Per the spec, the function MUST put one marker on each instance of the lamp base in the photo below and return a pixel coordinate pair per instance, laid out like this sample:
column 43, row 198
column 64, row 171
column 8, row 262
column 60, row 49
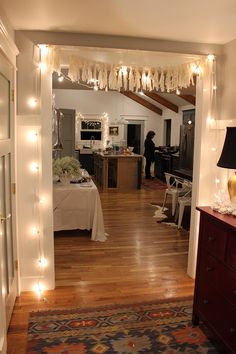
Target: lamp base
column 232, row 188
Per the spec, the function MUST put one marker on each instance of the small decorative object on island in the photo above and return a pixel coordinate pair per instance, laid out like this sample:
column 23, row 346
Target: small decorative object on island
column 66, row 169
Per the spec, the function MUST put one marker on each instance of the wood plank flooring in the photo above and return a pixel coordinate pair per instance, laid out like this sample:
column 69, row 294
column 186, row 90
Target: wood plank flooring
column 142, row 260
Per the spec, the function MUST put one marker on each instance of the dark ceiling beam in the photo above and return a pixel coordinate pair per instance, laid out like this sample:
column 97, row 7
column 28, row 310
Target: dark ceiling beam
column 189, row 98
column 142, row 101
column 154, row 96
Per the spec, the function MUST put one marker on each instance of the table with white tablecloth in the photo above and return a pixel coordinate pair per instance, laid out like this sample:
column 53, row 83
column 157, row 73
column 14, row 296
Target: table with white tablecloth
column 78, row 206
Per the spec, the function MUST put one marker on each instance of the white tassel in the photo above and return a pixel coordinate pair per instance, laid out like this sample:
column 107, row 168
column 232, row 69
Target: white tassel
column 156, row 80
column 162, row 81
column 164, row 78
column 119, row 80
column 131, row 80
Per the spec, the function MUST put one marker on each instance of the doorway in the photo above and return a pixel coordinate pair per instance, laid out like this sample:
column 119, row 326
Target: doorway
column 134, row 135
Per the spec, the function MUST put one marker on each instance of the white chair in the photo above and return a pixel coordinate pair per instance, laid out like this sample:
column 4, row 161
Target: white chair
column 176, row 187
column 185, row 200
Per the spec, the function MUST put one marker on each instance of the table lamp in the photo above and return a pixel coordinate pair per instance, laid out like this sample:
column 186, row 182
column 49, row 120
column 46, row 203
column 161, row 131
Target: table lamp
column 228, row 160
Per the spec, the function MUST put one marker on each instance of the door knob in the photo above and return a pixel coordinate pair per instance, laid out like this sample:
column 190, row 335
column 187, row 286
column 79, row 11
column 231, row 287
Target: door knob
column 4, row 219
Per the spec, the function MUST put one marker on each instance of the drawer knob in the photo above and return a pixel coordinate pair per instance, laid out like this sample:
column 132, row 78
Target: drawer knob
column 232, row 330
column 211, row 238
column 209, row 269
column 205, row 302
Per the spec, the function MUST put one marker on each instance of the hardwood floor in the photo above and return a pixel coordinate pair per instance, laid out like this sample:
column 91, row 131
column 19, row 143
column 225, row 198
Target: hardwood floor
column 141, row 260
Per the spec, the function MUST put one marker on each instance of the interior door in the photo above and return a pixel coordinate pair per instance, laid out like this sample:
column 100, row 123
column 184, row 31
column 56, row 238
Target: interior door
column 8, row 276
column 68, row 132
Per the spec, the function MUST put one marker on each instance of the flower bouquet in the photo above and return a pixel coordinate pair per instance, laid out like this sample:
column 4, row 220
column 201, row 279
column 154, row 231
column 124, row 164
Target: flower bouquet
column 66, row 169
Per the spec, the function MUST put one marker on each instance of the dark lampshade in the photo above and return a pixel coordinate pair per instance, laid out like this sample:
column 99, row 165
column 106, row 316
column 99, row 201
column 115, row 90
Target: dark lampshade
column 228, row 155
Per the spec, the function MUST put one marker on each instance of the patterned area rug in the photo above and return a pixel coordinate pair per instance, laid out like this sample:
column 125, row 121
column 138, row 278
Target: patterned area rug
column 153, row 184
column 161, row 327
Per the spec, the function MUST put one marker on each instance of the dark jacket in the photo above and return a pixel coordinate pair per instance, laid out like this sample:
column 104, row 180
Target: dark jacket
column 149, row 149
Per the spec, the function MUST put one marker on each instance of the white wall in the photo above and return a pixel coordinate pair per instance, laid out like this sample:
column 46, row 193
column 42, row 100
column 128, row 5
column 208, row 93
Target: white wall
column 228, row 88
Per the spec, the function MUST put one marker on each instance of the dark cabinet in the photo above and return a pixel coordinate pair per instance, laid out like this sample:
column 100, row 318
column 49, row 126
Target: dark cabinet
column 87, row 162
column 215, row 285
column 165, row 162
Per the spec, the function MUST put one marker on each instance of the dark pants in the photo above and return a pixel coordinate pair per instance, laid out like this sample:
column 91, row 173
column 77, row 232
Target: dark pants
column 148, row 167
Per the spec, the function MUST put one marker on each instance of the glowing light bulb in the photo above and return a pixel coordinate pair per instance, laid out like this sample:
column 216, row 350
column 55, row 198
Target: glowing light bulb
column 32, row 102
column 42, row 66
column 43, row 49
column 177, row 92
column 35, row 231
column 189, row 122
column 42, row 262
column 32, row 136
column 42, row 200
column 39, row 288
column 61, row 78
column 196, row 69
column 214, row 87
column 34, row 167
column 211, row 57
column 217, row 180
column 213, row 149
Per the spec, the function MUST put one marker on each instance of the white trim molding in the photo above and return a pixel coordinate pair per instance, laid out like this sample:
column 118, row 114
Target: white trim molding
column 7, row 44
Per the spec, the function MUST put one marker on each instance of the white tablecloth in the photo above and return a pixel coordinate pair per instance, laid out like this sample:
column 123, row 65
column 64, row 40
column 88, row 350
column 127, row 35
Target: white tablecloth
column 78, row 206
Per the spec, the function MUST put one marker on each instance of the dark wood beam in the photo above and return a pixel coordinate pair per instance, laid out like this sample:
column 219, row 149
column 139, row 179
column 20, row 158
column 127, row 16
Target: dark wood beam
column 154, row 96
column 189, row 98
column 142, row 101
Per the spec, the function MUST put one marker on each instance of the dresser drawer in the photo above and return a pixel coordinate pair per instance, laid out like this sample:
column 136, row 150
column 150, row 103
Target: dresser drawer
column 214, row 238
column 231, row 250
column 216, row 311
column 213, row 272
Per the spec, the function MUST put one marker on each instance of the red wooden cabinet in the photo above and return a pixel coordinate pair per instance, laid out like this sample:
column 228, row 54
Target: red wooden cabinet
column 215, row 284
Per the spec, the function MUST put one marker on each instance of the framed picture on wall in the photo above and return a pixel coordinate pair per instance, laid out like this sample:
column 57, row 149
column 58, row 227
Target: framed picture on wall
column 114, row 131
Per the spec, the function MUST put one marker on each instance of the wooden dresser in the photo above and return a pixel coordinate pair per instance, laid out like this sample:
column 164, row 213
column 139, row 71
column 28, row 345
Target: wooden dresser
column 215, row 285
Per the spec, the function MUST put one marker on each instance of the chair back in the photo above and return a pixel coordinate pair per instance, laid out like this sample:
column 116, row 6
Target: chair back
column 173, row 181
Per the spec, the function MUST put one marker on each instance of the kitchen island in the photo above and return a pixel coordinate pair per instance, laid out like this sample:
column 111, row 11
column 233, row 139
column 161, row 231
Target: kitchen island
column 118, row 171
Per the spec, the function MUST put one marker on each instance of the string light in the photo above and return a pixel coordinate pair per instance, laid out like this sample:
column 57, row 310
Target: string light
column 35, row 231
column 32, row 136
column 34, row 167
column 196, row 69
column 42, row 66
column 42, row 262
column 61, row 78
column 39, row 289
column 32, row 102
column 211, row 57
